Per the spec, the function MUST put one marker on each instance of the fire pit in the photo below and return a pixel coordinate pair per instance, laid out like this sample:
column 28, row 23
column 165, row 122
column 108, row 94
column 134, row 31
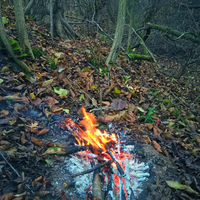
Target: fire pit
column 107, row 169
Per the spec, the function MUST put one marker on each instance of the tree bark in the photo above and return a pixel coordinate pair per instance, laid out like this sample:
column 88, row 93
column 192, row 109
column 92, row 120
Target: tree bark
column 21, row 29
column 41, row 10
column 170, row 31
column 5, row 41
column 118, row 33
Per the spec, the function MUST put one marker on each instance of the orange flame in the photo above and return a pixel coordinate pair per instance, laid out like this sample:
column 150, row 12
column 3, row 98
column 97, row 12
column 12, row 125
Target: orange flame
column 98, row 140
column 92, row 135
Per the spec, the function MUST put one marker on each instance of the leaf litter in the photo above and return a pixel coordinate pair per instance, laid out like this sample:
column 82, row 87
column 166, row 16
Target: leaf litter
column 65, row 80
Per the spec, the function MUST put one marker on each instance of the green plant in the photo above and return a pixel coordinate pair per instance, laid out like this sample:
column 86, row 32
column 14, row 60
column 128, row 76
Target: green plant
column 103, row 36
column 37, row 52
column 15, row 47
column 126, row 78
column 150, row 116
column 52, row 63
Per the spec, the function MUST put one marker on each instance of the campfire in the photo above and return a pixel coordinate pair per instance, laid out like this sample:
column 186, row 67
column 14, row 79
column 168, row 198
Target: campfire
column 106, row 169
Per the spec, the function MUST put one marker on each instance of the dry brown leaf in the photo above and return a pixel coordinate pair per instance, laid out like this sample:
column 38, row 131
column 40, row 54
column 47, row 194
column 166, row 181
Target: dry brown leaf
column 43, row 131
column 36, row 101
column 165, row 152
column 4, row 145
column 106, row 118
column 131, row 107
column 120, row 115
column 149, row 125
column 38, row 179
column 146, row 139
column 106, row 103
column 3, row 113
column 23, row 137
column 7, row 196
column 129, row 96
column 142, row 99
column 36, row 141
column 47, row 113
column 56, row 109
column 130, row 117
column 156, row 146
column 156, row 130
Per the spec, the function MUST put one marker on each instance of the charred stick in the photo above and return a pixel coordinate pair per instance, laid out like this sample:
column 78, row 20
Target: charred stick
column 74, row 149
column 119, row 168
column 98, row 166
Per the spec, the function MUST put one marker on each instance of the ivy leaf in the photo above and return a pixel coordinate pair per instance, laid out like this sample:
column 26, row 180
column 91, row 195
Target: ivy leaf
column 1, row 80
column 60, row 70
column 66, row 110
column 5, row 21
column 116, row 91
column 60, row 91
column 88, row 51
column 81, row 98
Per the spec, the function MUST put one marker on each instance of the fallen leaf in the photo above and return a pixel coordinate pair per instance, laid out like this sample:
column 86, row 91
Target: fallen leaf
column 3, row 113
column 120, row 115
column 116, row 91
column 32, row 95
column 156, row 146
column 179, row 186
column 65, row 110
column 106, row 118
column 118, row 104
column 142, row 99
column 48, row 82
column 60, row 91
column 55, row 150
column 23, row 137
column 7, row 196
column 106, row 103
column 4, row 145
column 156, row 130
column 149, row 125
column 36, row 101
column 43, row 131
column 36, row 141
column 146, row 139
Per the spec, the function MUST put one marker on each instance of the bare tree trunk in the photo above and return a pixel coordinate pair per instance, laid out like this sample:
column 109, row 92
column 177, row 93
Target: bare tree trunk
column 41, row 10
column 5, row 41
column 118, row 33
column 21, row 29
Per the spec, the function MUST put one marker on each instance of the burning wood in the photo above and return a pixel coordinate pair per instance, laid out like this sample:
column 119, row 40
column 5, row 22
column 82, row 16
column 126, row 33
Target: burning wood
column 122, row 174
column 98, row 166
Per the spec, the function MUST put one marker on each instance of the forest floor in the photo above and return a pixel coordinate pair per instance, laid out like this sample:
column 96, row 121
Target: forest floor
column 159, row 115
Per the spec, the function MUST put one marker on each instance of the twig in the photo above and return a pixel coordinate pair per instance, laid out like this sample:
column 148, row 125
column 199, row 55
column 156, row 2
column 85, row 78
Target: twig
column 196, row 98
column 10, row 165
column 178, row 99
column 98, row 166
column 146, row 47
column 14, row 169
